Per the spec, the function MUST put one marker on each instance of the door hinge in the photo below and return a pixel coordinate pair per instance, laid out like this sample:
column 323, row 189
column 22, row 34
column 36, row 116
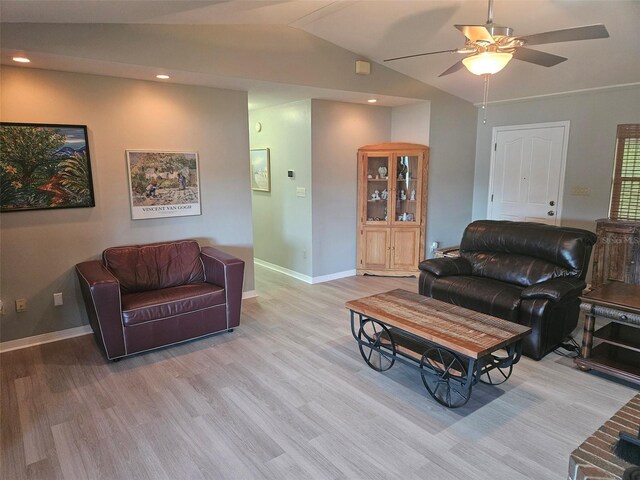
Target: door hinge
column 492, row 197
column 495, row 147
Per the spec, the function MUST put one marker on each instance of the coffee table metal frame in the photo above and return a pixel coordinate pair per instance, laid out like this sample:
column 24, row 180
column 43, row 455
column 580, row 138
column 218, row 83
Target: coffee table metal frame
column 447, row 375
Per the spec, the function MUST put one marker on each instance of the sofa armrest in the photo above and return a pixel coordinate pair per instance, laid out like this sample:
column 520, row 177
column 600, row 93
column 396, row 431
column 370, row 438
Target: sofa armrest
column 443, row 267
column 225, row 271
column 555, row 289
column 101, row 294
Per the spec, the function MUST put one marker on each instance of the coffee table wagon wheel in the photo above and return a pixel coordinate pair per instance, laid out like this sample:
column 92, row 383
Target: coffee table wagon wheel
column 444, row 376
column 501, row 371
column 376, row 345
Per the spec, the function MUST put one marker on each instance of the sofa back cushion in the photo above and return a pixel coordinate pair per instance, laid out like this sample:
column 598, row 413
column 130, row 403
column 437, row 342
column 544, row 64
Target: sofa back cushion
column 140, row 268
column 526, row 253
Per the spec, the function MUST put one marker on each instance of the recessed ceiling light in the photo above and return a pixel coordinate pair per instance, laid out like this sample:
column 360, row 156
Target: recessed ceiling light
column 372, row 100
column 21, row 59
column 162, row 76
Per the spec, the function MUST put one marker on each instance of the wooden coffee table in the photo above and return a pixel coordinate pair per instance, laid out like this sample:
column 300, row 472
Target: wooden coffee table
column 453, row 347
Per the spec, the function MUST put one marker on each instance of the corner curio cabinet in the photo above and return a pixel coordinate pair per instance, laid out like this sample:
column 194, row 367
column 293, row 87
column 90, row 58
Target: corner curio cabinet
column 392, row 208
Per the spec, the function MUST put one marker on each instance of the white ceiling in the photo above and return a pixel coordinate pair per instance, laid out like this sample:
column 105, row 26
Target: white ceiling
column 382, row 29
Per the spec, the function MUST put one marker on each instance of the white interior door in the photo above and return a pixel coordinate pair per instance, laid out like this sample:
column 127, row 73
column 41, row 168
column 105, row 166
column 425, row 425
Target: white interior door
column 527, row 172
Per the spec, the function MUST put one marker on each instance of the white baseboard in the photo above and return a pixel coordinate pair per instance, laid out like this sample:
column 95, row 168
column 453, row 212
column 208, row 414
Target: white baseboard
column 67, row 333
column 44, row 338
column 300, row 276
column 333, row 276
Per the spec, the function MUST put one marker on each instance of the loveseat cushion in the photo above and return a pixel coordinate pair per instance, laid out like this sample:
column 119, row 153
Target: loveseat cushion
column 479, row 294
column 512, row 268
column 141, row 307
column 442, row 267
column 555, row 289
column 141, row 268
column 568, row 248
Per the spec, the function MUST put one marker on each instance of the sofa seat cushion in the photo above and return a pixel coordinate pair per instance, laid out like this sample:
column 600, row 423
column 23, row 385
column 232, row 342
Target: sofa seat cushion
column 144, row 307
column 483, row 295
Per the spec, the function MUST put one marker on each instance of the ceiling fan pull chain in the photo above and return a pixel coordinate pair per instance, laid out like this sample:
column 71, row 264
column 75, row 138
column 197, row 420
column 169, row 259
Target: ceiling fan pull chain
column 485, row 98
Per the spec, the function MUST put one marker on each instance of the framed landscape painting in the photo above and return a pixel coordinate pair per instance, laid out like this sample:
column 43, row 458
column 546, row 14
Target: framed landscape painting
column 44, row 166
column 163, row 184
column 260, row 170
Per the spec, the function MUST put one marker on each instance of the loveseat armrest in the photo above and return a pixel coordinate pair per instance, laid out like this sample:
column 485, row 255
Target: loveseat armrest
column 555, row 289
column 444, row 267
column 225, row 271
column 101, row 294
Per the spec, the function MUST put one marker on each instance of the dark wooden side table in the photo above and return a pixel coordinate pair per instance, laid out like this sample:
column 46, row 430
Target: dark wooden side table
column 618, row 354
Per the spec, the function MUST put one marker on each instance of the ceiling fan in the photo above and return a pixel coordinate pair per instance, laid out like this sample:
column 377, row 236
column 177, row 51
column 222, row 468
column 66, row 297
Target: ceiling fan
column 490, row 47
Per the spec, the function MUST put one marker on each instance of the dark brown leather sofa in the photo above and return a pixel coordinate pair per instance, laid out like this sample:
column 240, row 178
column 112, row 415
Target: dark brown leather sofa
column 528, row 273
column 142, row 297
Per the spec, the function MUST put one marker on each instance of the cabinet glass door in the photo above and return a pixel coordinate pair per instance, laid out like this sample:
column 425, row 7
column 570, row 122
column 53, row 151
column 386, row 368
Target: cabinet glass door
column 377, row 172
column 406, row 189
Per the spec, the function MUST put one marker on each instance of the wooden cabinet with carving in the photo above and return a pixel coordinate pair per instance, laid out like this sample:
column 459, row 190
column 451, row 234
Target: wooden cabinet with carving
column 616, row 256
column 392, row 208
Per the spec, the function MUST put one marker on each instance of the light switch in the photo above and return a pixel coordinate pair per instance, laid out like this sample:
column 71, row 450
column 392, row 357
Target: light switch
column 301, row 192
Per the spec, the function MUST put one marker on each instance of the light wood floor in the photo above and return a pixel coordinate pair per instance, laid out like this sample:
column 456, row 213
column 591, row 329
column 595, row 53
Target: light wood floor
column 286, row 396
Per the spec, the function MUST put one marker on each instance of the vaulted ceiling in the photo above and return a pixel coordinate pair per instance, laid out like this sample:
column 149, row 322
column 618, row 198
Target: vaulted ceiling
column 377, row 30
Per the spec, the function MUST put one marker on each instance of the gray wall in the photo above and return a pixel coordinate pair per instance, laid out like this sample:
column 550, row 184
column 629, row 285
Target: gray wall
column 40, row 248
column 282, row 220
column 592, row 136
column 452, row 145
column 338, row 130
column 410, row 123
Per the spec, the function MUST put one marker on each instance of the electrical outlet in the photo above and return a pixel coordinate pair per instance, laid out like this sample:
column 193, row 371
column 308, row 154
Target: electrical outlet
column 304, row 254
column 21, row 305
column 434, row 247
column 57, row 299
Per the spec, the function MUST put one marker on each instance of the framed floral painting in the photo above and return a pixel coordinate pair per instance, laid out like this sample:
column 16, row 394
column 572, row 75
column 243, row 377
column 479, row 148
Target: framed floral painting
column 44, row 166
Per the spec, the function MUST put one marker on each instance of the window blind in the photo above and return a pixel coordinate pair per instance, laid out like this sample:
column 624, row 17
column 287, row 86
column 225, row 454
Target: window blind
column 625, row 194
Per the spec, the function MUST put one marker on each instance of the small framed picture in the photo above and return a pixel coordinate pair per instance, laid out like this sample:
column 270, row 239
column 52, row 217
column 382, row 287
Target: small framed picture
column 260, row 170
column 163, row 184
column 44, row 166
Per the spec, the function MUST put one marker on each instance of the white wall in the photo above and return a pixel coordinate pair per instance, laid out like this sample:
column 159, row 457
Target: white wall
column 592, row 137
column 40, row 248
column 282, row 220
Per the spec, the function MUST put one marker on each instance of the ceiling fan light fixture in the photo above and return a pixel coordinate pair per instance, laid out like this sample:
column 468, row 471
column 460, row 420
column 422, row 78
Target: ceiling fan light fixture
column 487, row 63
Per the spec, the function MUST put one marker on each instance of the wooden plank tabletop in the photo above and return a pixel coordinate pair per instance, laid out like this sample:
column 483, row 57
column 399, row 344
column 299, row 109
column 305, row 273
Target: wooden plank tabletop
column 464, row 331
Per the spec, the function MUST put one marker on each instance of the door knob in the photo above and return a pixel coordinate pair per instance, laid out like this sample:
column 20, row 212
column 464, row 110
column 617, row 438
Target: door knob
column 551, row 213
column 552, row 203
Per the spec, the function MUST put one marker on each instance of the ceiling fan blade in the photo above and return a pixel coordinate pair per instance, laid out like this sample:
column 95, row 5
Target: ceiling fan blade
column 476, row 32
column 453, row 68
column 567, row 35
column 539, row 58
column 420, row 55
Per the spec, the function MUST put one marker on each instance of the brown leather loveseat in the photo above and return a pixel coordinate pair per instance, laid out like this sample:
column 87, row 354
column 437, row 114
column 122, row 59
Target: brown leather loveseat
column 142, row 297
column 528, row 273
